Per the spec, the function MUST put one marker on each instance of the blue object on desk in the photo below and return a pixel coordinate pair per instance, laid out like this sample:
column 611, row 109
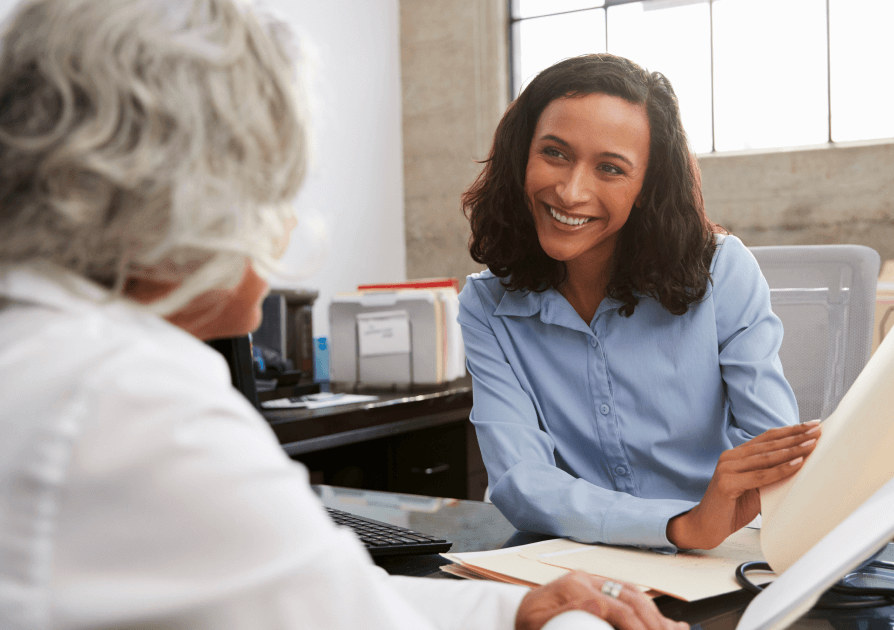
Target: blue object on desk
column 321, row 363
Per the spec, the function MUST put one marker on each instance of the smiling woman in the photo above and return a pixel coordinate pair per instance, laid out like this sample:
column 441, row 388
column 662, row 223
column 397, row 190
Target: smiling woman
column 620, row 346
column 585, row 172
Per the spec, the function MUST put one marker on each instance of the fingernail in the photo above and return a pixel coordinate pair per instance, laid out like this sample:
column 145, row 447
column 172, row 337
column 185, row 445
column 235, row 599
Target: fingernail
column 813, row 431
column 795, row 462
column 807, row 443
column 812, row 423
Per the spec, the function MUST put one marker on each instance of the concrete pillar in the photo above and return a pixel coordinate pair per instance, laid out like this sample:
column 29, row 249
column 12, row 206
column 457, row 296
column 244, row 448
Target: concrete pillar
column 454, row 78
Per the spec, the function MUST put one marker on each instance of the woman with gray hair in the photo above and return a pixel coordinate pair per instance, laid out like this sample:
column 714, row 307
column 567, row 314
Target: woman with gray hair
column 149, row 150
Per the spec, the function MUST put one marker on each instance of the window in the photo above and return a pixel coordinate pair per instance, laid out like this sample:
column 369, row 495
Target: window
column 749, row 74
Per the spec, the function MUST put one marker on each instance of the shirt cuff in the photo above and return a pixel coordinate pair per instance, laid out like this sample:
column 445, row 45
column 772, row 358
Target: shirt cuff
column 576, row 620
column 643, row 523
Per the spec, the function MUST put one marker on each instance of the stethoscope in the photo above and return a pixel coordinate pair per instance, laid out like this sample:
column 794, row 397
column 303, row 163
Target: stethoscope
column 870, row 586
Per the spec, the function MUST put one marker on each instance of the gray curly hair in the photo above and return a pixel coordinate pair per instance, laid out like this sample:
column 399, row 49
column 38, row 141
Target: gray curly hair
column 158, row 139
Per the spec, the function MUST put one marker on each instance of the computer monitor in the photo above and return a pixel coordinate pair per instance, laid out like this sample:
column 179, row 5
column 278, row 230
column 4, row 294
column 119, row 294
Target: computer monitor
column 237, row 352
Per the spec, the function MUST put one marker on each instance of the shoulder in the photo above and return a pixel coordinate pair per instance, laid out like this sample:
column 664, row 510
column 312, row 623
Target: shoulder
column 174, row 379
column 738, row 287
column 110, row 364
column 733, row 261
column 483, row 290
column 125, row 344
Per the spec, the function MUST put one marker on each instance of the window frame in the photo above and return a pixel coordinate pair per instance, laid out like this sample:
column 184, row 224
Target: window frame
column 515, row 50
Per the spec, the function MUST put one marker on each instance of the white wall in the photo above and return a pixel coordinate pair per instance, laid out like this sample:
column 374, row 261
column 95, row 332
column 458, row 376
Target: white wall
column 6, row 7
column 354, row 187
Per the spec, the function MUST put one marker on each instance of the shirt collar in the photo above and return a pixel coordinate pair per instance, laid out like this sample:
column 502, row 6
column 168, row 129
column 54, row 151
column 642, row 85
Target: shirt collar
column 552, row 306
column 519, row 303
column 51, row 287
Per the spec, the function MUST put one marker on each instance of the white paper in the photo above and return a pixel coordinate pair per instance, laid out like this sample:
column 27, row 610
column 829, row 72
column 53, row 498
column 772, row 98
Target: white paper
column 316, row 401
column 383, row 332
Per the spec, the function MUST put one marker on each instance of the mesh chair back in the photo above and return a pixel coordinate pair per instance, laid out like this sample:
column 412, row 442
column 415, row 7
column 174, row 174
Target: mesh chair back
column 825, row 297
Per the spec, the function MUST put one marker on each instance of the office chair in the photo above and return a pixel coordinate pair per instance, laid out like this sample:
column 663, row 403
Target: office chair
column 825, row 297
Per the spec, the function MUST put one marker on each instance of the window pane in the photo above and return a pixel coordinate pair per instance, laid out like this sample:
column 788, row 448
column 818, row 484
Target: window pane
column 533, row 8
column 541, row 42
column 770, row 76
column 675, row 40
column 862, row 49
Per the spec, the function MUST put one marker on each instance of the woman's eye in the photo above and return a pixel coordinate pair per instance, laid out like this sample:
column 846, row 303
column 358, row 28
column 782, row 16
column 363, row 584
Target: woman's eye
column 551, row 152
column 611, row 169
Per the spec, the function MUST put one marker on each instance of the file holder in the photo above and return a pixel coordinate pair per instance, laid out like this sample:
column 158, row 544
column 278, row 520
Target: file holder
column 369, row 360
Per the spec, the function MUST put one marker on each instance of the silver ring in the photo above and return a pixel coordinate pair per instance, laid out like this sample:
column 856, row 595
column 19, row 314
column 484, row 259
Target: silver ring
column 612, row 589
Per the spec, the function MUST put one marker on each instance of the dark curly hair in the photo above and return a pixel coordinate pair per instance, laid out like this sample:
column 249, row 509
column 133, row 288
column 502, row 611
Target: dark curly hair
column 664, row 250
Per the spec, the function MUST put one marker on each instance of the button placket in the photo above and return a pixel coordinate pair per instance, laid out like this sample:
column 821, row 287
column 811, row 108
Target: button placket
column 610, row 430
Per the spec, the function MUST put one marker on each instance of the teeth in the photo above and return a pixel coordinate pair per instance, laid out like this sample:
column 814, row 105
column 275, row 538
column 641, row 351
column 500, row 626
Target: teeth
column 566, row 220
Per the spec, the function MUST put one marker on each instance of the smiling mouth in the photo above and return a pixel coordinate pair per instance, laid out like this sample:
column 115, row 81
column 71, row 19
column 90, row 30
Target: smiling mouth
column 561, row 218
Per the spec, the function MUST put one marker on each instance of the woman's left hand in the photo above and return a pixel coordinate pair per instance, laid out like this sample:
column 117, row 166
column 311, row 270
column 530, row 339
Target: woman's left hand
column 732, row 499
column 629, row 609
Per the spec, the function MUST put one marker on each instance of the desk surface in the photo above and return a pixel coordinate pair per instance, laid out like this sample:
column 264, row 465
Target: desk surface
column 477, row 526
column 304, row 430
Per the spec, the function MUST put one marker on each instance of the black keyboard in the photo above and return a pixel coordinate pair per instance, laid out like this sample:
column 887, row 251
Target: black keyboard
column 382, row 539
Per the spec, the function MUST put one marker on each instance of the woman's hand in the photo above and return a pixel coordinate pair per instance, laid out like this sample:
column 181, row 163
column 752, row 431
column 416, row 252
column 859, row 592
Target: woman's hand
column 581, row 591
column 732, row 499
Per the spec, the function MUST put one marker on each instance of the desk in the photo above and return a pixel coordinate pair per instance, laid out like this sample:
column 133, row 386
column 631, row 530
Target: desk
column 477, row 526
column 419, row 442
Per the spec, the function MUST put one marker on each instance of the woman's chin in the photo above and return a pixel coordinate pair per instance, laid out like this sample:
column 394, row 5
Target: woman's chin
column 559, row 253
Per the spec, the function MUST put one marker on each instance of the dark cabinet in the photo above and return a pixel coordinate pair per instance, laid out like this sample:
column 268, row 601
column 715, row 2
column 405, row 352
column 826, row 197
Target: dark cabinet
column 416, row 442
column 430, row 462
column 440, row 461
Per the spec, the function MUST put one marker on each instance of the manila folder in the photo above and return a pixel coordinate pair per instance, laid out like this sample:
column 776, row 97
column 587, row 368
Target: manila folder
column 853, row 459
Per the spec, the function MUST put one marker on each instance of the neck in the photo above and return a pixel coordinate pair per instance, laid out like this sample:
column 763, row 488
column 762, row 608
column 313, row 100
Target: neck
column 588, row 277
column 147, row 291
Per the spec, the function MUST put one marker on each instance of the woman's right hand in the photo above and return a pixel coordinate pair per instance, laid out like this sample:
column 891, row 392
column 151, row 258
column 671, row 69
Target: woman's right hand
column 732, row 499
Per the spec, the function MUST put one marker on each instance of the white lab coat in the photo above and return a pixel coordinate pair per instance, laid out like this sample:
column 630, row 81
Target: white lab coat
column 138, row 489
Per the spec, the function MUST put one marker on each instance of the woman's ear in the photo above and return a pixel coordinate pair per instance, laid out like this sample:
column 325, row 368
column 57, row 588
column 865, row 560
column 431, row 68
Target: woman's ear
column 640, row 200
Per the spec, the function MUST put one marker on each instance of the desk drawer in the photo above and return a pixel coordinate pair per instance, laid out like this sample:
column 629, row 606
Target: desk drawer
column 429, row 462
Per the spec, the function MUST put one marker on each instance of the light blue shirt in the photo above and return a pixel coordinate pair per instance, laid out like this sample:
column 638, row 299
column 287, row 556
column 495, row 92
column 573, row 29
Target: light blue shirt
column 603, row 433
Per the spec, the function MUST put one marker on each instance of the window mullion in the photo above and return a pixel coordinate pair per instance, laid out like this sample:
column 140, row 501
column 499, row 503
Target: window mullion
column 829, row 65
column 711, row 26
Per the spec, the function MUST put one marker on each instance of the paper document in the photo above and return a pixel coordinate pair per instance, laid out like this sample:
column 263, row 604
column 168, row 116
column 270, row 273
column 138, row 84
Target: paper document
column 847, row 547
column 687, row 575
column 507, row 565
column 316, row 401
column 383, row 332
column 853, row 459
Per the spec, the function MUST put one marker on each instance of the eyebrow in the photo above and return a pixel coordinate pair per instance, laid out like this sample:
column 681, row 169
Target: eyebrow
column 559, row 140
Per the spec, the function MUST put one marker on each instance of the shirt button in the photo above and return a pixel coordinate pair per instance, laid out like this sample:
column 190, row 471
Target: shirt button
column 593, row 341
column 621, row 470
column 604, row 409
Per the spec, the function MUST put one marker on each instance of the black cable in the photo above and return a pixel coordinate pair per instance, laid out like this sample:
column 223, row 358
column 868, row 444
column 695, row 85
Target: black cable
column 869, row 597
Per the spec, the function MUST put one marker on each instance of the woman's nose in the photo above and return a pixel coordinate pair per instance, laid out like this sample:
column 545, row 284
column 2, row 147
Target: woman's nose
column 577, row 188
